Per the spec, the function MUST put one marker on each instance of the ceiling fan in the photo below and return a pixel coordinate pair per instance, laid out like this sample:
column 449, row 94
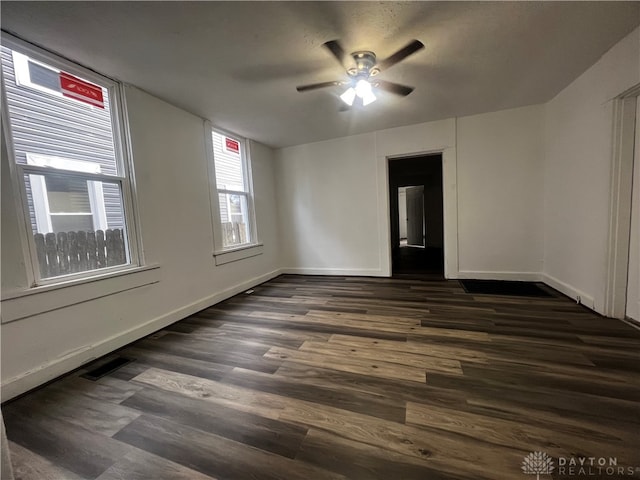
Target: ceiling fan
column 361, row 83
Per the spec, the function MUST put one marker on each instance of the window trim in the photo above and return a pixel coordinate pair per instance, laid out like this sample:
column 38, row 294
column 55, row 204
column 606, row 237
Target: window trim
column 254, row 246
column 123, row 157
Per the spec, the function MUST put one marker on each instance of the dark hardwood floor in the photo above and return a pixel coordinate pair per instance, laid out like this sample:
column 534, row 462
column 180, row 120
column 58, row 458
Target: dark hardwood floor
column 358, row 378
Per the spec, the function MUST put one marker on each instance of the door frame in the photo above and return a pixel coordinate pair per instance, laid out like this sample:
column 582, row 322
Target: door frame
column 621, row 184
column 449, row 201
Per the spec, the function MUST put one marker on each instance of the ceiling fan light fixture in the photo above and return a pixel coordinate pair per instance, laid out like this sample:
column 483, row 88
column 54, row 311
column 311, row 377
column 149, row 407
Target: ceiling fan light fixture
column 368, row 98
column 348, row 96
column 363, row 88
column 365, row 92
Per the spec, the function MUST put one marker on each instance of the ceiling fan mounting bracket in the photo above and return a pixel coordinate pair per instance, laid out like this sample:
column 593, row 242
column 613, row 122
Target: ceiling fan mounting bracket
column 365, row 64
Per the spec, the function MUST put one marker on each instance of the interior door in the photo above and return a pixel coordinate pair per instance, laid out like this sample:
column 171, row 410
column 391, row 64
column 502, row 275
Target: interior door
column 415, row 216
column 402, row 212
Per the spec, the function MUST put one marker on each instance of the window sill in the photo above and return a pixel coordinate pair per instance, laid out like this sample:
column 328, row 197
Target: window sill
column 239, row 253
column 25, row 303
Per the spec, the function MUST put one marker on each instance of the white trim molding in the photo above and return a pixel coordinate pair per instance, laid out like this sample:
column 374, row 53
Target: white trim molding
column 450, row 208
column 40, row 165
column 239, row 253
column 26, row 303
column 346, row 272
column 247, row 192
column 624, row 118
column 570, row 291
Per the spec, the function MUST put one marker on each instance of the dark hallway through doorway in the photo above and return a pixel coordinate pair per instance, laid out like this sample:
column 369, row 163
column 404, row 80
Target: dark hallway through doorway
column 416, row 214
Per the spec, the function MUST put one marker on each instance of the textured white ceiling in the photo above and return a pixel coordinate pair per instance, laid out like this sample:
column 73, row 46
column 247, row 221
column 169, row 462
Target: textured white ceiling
column 238, row 63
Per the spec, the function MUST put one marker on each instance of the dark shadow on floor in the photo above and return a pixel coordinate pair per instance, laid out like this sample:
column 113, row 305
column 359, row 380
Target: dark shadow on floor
column 413, row 261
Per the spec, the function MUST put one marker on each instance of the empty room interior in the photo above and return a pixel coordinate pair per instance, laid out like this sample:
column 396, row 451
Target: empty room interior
column 320, row 240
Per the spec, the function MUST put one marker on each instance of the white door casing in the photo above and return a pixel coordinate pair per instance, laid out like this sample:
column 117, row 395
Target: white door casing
column 633, row 279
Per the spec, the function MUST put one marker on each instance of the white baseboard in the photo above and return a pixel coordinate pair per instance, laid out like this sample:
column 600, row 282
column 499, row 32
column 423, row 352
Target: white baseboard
column 26, row 381
column 632, row 322
column 350, row 272
column 370, row 272
column 511, row 276
column 572, row 292
column 634, row 316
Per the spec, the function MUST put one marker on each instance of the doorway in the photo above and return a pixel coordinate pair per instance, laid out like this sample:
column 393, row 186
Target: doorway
column 416, row 216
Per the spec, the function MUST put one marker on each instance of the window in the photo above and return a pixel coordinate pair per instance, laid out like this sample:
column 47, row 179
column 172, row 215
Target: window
column 64, row 126
column 234, row 199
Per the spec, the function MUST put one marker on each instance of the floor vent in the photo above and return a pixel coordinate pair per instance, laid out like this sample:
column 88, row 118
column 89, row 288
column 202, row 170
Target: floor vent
column 500, row 287
column 106, row 368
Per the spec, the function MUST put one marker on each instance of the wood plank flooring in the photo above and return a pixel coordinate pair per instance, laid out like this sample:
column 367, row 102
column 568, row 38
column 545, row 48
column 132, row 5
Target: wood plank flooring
column 346, row 378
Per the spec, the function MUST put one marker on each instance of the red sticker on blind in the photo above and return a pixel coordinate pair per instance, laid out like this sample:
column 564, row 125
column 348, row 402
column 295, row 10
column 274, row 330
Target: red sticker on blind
column 231, row 145
column 73, row 87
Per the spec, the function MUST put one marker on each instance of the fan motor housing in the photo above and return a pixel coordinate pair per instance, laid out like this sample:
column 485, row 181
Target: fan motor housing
column 365, row 64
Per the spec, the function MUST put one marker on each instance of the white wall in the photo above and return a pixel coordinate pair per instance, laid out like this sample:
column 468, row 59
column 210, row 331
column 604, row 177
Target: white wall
column 500, row 175
column 333, row 196
column 578, row 126
column 175, row 218
column 328, row 203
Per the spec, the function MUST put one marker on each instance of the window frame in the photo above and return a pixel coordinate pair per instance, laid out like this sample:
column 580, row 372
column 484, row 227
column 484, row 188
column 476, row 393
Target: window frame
column 124, row 166
column 231, row 253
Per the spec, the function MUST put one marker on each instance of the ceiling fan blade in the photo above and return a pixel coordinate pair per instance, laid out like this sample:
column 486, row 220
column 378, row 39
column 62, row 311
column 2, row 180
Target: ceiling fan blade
column 401, row 54
column 336, row 50
column 395, row 88
column 316, row 86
